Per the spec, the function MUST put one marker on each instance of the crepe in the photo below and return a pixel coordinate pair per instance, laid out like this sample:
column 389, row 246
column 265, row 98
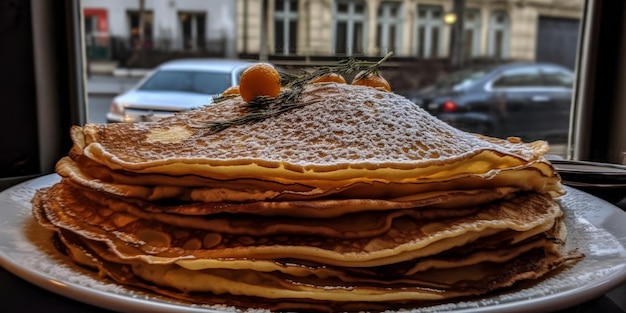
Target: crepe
column 441, row 258
column 403, row 239
column 294, row 291
column 347, row 137
column 356, row 200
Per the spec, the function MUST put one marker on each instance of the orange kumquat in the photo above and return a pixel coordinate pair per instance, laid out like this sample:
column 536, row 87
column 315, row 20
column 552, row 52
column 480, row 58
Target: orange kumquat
column 329, row 78
column 260, row 79
column 372, row 79
column 231, row 91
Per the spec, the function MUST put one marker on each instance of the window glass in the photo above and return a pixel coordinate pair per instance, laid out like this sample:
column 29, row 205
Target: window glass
column 285, row 26
column 342, row 7
column 519, row 78
column 462, row 77
column 187, row 81
column 193, row 30
column 350, row 21
column 389, row 24
column 293, row 5
column 558, row 78
column 430, row 27
column 473, row 29
column 359, row 7
column 97, row 38
column 499, row 35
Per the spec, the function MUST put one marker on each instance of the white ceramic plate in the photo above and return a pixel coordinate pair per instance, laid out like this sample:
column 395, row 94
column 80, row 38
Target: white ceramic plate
column 595, row 227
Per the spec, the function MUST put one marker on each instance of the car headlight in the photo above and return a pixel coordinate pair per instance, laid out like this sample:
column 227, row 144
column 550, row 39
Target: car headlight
column 116, row 108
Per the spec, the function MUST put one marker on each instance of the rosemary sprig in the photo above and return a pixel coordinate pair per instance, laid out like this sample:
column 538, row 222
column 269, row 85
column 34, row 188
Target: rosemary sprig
column 344, row 67
column 259, row 109
column 262, row 108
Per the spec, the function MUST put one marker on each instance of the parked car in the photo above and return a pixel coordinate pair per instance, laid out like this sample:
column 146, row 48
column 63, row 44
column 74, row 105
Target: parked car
column 176, row 86
column 527, row 100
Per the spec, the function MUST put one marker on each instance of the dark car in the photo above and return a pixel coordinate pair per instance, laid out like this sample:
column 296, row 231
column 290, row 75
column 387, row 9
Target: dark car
column 527, row 100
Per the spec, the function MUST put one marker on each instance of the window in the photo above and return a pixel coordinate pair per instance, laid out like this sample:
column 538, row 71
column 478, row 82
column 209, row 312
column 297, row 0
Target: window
column 518, row 78
column 193, row 27
column 388, row 35
column 133, row 24
column 461, row 78
column 429, row 32
column 471, row 37
column 97, row 39
column 554, row 77
column 499, row 35
column 286, row 26
column 350, row 27
column 188, row 81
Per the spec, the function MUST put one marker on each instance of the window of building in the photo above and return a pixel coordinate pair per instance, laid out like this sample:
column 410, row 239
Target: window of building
column 193, row 28
column 429, row 31
column 286, row 26
column 350, row 27
column 471, row 37
column 97, row 38
column 388, row 27
column 91, row 23
column 134, row 26
column 498, row 45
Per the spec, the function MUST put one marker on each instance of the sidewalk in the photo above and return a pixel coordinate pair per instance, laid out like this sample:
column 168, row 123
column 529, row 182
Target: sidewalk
column 106, row 79
column 111, row 68
column 109, row 85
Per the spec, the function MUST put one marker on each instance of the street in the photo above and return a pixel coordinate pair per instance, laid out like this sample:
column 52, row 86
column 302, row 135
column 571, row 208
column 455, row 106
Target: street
column 97, row 108
column 101, row 89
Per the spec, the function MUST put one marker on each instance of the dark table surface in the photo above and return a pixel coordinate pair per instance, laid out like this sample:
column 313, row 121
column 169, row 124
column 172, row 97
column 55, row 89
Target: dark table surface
column 18, row 295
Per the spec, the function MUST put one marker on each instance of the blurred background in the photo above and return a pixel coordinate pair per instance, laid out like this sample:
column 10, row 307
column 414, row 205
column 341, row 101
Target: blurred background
column 428, row 35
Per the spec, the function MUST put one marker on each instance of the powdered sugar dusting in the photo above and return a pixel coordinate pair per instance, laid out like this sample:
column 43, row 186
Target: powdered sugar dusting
column 341, row 124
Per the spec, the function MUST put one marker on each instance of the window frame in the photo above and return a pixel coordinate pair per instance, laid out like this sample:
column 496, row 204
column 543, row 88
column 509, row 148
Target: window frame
column 384, row 24
column 285, row 18
column 351, row 19
column 197, row 43
column 493, row 28
column 431, row 25
column 475, row 27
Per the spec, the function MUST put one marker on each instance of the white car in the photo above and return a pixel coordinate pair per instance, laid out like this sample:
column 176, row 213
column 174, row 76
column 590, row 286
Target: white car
column 176, row 86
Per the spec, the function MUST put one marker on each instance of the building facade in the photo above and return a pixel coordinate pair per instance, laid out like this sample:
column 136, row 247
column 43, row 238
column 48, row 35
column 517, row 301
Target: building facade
column 533, row 30
column 502, row 29
column 168, row 25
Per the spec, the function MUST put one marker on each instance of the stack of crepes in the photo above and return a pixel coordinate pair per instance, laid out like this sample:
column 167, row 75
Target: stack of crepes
column 357, row 200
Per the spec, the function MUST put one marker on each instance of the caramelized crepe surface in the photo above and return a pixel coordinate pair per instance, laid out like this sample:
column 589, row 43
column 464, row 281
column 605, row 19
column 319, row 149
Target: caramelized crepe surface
column 539, row 176
column 344, row 135
column 299, row 290
column 375, row 239
column 413, row 261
